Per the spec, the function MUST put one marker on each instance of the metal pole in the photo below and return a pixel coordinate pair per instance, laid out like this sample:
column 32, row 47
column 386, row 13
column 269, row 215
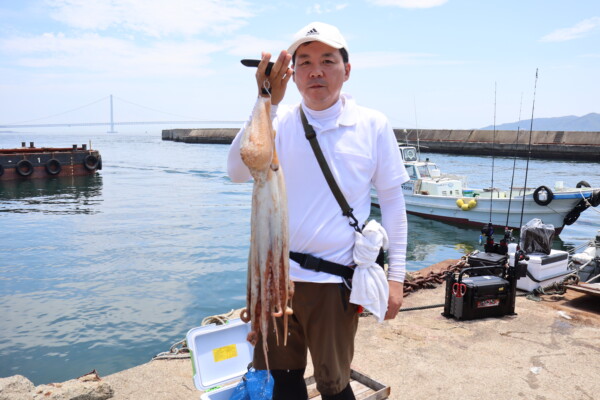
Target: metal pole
column 112, row 122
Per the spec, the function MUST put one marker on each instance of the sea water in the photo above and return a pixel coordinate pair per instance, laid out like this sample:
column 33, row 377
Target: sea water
column 105, row 271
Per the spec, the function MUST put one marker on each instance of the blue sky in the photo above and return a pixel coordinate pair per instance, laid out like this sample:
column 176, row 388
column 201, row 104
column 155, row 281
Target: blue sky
column 424, row 63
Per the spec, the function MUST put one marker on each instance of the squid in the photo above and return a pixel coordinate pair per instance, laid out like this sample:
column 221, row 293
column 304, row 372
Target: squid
column 269, row 289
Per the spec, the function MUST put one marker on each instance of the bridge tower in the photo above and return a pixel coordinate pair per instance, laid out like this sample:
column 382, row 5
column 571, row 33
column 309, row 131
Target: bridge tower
column 112, row 122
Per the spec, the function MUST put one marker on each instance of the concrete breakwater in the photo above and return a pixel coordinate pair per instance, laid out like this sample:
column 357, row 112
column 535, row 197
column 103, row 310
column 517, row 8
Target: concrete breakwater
column 208, row 135
column 560, row 145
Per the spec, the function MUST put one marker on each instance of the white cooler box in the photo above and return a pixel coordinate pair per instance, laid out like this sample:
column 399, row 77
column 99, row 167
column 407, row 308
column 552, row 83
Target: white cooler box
column 543, row 269
column 220, row 356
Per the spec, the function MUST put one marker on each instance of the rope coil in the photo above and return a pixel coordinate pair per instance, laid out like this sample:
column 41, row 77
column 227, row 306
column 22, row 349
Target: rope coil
column 179, row 350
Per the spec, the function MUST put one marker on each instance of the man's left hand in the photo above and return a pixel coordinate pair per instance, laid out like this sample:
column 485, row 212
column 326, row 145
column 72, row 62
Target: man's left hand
column 281, row 73
column 395, row 299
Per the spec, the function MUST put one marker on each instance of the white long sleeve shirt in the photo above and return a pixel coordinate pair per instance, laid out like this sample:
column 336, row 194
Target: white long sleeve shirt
column 361, row 150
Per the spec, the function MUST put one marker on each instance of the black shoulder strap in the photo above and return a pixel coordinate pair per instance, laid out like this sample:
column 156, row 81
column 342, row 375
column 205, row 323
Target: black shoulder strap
column 311, row 135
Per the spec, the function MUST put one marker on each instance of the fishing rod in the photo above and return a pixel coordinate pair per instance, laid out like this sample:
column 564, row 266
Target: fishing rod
column 528, row 155
column 488, row 230
column 507, row 231
column 512, row 180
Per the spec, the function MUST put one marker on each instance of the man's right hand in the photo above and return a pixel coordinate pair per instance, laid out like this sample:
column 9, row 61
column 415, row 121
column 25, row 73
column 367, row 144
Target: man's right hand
column 278, row 78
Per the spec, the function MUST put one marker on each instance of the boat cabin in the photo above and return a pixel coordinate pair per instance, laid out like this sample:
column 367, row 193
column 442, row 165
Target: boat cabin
column 426, row 178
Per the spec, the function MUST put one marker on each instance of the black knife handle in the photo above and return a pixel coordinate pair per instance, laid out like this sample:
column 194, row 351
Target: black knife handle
column 254, row 63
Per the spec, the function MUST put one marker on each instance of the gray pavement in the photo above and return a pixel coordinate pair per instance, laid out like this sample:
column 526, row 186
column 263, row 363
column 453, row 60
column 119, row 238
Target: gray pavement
column 549, row 351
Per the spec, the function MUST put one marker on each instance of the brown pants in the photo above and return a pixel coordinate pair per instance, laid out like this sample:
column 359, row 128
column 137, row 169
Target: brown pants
column 323, row 322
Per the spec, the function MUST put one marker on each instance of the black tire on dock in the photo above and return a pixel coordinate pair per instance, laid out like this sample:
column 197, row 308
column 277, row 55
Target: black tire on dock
column 594, row 198
column 24, row 168
column 549, row 197
column 53, row 167
column 90, row 162
column 582, row 184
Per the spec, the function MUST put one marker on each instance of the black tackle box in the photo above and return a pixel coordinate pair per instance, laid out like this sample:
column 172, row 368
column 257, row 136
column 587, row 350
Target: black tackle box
column 496, row 263
column 484, row 296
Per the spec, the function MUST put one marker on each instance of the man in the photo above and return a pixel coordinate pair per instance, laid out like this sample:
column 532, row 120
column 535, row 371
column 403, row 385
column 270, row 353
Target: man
column 361, row 150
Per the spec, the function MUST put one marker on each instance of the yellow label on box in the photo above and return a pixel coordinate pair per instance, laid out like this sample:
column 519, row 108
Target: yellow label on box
column 225, row 353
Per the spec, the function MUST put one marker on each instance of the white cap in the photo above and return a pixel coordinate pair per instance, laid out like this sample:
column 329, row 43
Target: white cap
column 328, row 34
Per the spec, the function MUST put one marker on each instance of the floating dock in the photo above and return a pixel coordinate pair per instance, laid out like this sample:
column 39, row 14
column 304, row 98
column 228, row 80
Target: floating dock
column 47, row 162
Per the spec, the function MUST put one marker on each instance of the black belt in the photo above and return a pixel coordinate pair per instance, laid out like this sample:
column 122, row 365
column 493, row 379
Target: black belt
column 318, row 264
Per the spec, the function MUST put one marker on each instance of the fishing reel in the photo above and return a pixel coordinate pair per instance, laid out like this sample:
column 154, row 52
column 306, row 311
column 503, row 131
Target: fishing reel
column 490, row 246
column 520, row 255
column 508, row 238
column 488, row 230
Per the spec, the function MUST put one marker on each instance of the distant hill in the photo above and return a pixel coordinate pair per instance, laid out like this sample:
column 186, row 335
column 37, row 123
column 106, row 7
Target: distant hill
column 589, row 122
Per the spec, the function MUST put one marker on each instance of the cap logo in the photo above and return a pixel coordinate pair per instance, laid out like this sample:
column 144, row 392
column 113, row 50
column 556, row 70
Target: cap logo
column 313, row 31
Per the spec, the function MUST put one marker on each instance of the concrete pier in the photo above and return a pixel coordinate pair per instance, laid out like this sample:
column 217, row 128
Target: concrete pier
column 549, row 350
column 560, row 145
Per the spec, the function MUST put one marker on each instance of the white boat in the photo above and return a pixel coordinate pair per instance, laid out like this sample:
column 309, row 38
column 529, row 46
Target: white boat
column 587, row 265
column 443, row 197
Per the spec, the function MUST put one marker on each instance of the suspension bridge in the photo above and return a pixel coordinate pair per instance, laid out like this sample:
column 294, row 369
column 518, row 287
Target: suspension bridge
column 111, row 123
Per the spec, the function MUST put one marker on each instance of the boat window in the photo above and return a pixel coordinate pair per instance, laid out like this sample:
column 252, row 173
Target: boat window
column 424, row 171
column 410, row 169
column 410, row 154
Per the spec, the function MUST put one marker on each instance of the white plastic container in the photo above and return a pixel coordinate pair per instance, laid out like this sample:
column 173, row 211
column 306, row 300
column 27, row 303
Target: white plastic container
column 544, row 269
column 559, row 185
column 220, row 356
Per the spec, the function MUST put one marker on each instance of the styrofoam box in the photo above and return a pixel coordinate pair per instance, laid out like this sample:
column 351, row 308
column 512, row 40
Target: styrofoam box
column 545, row 268
column 220, row 356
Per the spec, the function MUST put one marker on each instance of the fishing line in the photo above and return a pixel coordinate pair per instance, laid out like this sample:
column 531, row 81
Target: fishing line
column 512, row 180
column 528, row 154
